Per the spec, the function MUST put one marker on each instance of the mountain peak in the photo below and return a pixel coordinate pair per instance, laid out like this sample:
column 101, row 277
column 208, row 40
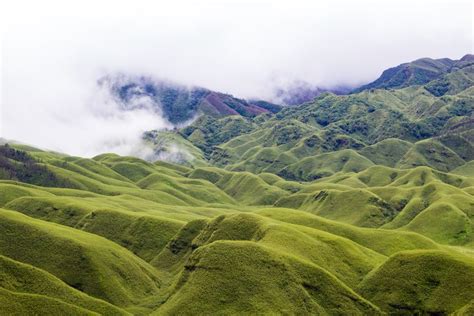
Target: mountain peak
column 417, row 72
column 467, row 57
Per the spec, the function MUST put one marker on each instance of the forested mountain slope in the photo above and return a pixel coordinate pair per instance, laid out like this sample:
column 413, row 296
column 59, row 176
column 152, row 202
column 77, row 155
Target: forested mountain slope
column 179, row 103
column 417, row 72
column 428, row 125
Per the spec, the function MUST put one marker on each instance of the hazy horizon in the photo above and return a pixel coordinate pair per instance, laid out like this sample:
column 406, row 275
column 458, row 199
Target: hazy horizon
column 53, row 53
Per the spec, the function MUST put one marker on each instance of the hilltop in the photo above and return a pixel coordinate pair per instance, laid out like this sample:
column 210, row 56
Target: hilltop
column 417, row 72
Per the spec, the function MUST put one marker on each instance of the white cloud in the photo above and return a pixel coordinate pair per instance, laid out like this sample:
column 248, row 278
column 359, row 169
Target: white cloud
column 54, row 51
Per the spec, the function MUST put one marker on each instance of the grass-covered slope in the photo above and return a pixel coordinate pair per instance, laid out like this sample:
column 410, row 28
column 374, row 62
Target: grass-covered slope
column 421, row 282
column 297, row 216
column 36, row 289
column 91, row 264
column 425, row 121
column 417, row 72
column 243, row 277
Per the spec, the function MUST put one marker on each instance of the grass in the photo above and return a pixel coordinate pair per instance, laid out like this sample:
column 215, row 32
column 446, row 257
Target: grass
column 365, row 235
column 224, row 276
column 132, row 230
column 33, row 287
column 245, row 187
column 421, row 282
column 320, row 166
column 416, row 72
column 12, row 303
column 386, row 152
column 79, row 259
column 383, row 241
column 465, row 170
column 432, row 154
column 407, row 126
column 359, row 204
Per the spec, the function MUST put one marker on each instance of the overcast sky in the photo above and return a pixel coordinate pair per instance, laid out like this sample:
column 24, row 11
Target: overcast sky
column 53, row 51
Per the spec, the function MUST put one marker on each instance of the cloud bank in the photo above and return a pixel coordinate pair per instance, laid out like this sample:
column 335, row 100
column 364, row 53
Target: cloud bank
column 53, row 52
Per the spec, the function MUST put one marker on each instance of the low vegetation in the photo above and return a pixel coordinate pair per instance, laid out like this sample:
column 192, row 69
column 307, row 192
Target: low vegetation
column 133, row 237
column 360, row 204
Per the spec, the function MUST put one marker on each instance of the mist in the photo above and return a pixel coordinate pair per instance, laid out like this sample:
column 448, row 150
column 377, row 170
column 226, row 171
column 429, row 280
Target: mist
column 53, row 53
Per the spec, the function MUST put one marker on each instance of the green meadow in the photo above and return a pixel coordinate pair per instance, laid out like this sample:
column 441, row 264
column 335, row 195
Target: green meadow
column 361, row 204
column 118, row 235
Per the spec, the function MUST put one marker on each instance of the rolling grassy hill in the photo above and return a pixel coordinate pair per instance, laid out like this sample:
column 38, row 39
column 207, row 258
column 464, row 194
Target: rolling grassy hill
column 359, row 204
column 432, row 109
column 118, row 235
column 428, row 124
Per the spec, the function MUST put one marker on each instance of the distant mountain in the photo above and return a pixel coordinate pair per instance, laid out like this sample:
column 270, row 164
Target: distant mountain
column 179, row 103
column 418, row 72
column 421, row 125
column 300, row 92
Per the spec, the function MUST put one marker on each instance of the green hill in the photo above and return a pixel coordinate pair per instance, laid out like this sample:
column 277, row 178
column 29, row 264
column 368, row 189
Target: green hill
column 419, row 72
column 421, row 282
column 425, row 121
column 35, row 289
column 130, row 236
column 359, row 204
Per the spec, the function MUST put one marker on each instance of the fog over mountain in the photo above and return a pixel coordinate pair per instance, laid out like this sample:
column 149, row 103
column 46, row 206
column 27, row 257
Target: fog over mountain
column 53, row 58
column 237, row 157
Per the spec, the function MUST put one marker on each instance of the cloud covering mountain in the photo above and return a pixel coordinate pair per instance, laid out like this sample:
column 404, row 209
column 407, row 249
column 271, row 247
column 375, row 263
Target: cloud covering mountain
column 52, row 58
